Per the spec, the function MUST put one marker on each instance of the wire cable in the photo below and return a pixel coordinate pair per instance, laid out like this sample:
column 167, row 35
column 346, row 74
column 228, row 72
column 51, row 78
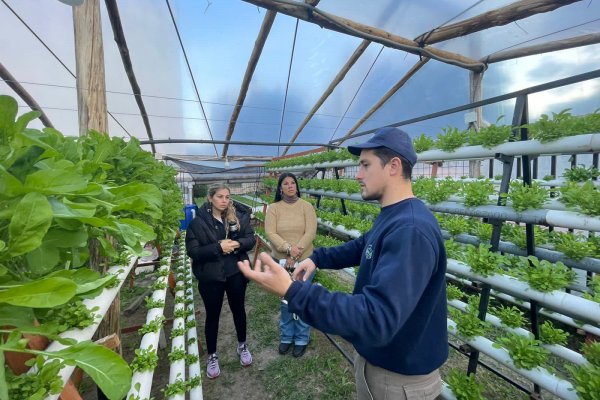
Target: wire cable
column 187, row 62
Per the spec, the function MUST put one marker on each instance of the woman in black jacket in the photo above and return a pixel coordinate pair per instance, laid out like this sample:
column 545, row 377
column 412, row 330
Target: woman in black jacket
column 216, row 239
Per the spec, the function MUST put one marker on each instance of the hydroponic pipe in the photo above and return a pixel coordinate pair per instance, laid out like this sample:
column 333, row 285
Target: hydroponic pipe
column 549, row 204
column 194, row 370
column 565, row 219
column 177, row 370
column 565, row 303
column 557, row 350
column 103, row 301
column 586, row 263
column 588, row 143
column 447, row 392
column 557, row 317
column 539, row 375
column 150, row 339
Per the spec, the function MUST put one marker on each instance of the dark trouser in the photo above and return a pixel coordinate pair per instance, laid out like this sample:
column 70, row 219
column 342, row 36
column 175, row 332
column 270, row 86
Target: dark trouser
column 212, row 294
column 375, row 383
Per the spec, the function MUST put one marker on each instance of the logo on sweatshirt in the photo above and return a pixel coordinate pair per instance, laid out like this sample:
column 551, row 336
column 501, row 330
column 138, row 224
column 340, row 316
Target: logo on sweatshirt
column 369, row 252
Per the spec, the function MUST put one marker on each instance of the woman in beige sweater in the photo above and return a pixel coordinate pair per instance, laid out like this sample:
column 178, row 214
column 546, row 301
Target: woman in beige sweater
column 291, row 227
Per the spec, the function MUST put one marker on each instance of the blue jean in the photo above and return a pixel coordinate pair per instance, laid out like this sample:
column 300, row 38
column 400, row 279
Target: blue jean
column 291, row 328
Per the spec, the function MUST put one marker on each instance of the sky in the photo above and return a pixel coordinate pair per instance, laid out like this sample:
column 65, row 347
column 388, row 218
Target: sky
column 298, row 62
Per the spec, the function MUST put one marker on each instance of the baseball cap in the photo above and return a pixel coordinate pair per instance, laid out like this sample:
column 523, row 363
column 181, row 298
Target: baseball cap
column 392, row 138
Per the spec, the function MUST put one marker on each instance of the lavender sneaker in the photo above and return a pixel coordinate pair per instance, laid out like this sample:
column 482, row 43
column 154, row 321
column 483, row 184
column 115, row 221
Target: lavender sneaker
column 212, row 366
column 245, row 356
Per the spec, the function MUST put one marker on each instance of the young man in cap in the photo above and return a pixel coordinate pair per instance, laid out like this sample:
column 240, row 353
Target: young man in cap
column 396, row 315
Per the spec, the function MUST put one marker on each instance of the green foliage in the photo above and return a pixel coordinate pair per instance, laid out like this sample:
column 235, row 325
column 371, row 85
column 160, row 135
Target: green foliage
column 544, row 276
column 434, row 191
column 587, row 381
column 594, row 285
column 525, row 351
column 177, row 354
column 311, row 159
column 73, row 314
column 423, row 143
column 591, row 351
column 483, row 231
column 477, row 192
column 464, row 387
column 451, row 139
column 179, row 331
column 178, row 387
column 144, row 360
column 510, row 316
column 525, row 197
column 491, row 136
column 563, row 124
column 581, row 173
column 35, row 386
column 455, row 250
column 483, row 261
column 331, row 282
column 586, row 197
column 453, row 292
column 574, row 246
column 152, row 326
column 467, row 324
column 456, row 224
column 551, row 335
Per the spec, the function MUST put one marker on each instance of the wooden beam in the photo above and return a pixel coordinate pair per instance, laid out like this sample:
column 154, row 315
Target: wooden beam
column 501, row 16
column 119, row 36
column 385, row 97
column 310, row 14
column 256, row 52
column 89, row 62
column 23, row 94
column 578, row 41
column 338, row 78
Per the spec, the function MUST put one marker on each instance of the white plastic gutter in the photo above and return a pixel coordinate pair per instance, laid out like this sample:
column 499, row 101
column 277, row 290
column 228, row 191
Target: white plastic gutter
column 144, row 378
column 586, row 263
column 588, row 143
column 103, row 301
column 552, row 315
column 557, row 350
column 194, row 369
column 177, row 370
column 562, row 302
column 560, row 387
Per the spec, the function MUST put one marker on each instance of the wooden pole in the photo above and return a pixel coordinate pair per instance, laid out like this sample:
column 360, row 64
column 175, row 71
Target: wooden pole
column 476, row 94
column 91, row 101
column 89, row 62
column 23, row 94
column 501, row 16
column 336, row 81
column 386, row 97
column 353, row 28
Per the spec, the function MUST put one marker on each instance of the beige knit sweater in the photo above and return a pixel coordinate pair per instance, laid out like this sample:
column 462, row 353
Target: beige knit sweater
column 294, row 224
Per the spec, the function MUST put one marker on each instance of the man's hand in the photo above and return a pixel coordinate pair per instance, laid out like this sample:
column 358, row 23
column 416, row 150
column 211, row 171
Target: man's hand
column 304, row 269
column 270, row 277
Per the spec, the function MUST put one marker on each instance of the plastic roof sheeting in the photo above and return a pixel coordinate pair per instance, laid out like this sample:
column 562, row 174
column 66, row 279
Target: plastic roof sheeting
column 219, row 35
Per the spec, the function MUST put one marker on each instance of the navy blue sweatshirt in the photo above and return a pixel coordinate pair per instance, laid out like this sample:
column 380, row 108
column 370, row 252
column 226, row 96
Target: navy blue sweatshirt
column 396, row 316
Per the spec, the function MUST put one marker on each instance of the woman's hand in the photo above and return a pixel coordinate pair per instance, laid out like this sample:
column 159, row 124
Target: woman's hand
column 296, row 252
column 228, row 246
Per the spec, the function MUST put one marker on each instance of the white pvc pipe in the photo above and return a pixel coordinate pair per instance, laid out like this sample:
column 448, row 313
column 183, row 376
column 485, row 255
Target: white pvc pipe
column 588, row 143
column 565, row 303
column 103, row 301
column 144, row 378
column 447, row 393
column 194, row 369
column 538, row 375
column 557, row 350
column 557, row 317
column 177, row 370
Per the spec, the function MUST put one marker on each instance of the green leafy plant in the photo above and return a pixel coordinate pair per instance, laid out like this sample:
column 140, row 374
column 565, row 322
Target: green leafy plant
column 152, row 326
column 423, row 143
column 145, row 359
column 510, row 316
column 178, row 387
column 585, row 197
column 525, row 351
column 544, row 276
column 492, row 135
column 483, row 231
column 594, row 285
column 456, row 224
column 151, row 303
column 179, row 331
column 548, row 129
column 587, row 381
column 581, row 173
column 453, row 292
column 591, row 351
column 551, row 335
column 483, row 261
column 464, row 387
column 451, row 139
column 177, row 354
column 73, row 314
column 468, row 325
column 455, row 250
column 35, row 386
column 477, row 193
column 574, row 246
column 524, row 197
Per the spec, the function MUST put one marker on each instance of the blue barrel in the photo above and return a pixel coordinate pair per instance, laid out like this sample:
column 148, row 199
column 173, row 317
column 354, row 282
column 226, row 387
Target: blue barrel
column 189, row 212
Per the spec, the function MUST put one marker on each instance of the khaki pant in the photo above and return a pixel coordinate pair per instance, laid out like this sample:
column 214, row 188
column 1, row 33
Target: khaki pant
column 375, row 383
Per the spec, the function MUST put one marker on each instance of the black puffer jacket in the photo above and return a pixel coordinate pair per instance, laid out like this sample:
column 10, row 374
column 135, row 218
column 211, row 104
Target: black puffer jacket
column 202, row 243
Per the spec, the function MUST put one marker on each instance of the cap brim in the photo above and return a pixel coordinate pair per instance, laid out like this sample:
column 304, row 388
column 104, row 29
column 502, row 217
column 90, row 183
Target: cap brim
column 356, row 149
